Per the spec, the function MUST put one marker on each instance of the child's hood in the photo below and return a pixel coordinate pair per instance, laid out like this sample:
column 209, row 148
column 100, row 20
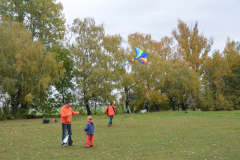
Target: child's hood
column 90, row 121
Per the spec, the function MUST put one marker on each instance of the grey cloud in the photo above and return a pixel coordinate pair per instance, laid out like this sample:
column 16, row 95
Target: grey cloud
column 217, row 18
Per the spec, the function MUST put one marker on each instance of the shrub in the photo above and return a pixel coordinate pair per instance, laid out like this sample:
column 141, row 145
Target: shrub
column 2, row 118
column 223, row 104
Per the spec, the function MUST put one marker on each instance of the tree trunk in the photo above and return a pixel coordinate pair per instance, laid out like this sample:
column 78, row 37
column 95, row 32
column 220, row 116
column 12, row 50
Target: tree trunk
column 156, row 106
column 62, row 95
column 217, row 104
column 183, row 107
column 88, row 109
column 63, row 100
column 144, row 106
column 127, row 104
column 15, row 103
column 127, row 99
column 173, row 107
column 95, row 108
column 86, row 104
column 14, row 109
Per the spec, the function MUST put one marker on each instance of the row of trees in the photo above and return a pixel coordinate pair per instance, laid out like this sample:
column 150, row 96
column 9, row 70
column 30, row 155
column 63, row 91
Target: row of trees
column 43, row 63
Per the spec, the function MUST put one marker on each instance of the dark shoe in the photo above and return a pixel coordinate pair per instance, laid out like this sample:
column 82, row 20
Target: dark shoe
column 91, row 146
column 72, row 144
column 86, row 147
column 64, row 145
column 108, row 125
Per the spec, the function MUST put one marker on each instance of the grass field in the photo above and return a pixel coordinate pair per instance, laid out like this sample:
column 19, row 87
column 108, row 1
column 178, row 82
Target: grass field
column 162, row 135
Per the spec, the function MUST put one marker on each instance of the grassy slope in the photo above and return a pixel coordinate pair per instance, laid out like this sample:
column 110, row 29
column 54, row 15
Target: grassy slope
column 164, row 135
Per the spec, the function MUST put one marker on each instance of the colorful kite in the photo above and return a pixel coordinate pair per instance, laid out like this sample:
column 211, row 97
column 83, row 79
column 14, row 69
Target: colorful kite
column 142, row 56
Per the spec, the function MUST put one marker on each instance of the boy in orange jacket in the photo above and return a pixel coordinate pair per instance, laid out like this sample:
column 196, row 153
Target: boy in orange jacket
column 110, row 111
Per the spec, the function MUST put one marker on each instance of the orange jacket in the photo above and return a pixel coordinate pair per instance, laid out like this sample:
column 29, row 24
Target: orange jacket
column 65, row 114
column 110, row 110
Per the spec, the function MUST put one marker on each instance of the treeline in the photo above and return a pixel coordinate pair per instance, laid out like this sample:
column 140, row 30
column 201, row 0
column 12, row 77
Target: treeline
column 44, row 63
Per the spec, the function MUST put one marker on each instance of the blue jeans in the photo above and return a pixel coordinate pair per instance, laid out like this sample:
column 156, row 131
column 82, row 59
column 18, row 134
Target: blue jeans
column 110, row 121
column 69, row 128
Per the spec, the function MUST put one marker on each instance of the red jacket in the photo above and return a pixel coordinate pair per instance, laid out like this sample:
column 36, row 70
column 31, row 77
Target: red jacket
column 110, row 110
column 65, row 118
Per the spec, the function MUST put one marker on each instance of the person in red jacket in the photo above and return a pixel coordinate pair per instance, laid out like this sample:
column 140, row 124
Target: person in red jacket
column 66, row 118
column 110, row 111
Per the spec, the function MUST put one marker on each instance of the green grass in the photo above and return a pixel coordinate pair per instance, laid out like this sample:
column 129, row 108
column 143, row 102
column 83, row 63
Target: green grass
column 163, row 135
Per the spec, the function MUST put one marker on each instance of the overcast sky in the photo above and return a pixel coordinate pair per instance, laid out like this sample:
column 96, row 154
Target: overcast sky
column 216, row 18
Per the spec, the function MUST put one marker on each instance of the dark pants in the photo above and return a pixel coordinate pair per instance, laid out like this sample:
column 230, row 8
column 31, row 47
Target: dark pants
column 69, row 128
column 110, row 121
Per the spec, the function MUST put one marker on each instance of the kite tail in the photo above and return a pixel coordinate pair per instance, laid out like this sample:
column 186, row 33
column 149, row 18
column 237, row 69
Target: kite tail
column 121, row 65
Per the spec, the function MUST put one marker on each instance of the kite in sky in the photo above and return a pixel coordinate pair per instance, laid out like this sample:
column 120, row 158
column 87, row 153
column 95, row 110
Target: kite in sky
column 142, row 56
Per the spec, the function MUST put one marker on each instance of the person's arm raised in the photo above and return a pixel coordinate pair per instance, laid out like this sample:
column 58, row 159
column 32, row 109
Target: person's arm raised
column 74, row 113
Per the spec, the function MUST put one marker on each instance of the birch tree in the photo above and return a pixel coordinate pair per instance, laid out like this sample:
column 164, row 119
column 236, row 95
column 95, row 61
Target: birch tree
column 94, row 55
